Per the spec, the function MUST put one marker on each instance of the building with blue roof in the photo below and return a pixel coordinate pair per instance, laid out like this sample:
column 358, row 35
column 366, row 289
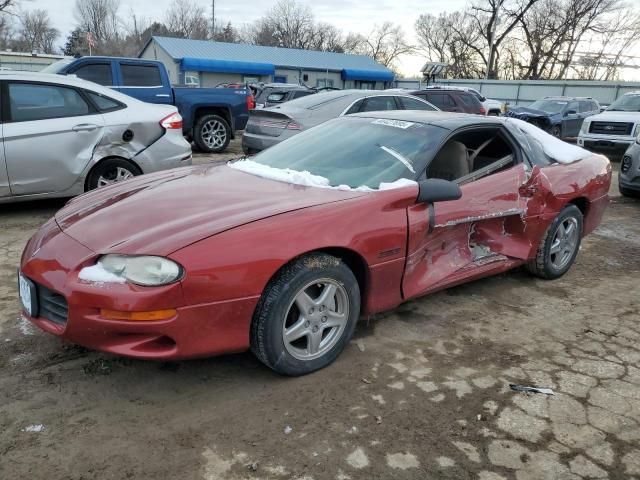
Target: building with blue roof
column 214, row 63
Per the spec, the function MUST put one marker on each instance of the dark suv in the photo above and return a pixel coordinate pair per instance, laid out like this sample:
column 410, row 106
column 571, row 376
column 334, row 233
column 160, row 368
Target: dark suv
column 451, row 100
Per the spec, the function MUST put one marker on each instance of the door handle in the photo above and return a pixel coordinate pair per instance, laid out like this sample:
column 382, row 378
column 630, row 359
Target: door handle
column 85, row 127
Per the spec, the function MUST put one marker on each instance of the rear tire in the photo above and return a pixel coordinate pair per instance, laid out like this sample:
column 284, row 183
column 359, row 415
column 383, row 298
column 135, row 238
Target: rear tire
column 306, row 315
column 212, row 134
column 110, row 171
column 559, row 245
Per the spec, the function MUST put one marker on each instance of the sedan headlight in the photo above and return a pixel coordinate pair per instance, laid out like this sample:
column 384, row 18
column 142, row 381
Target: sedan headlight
column 142, row 270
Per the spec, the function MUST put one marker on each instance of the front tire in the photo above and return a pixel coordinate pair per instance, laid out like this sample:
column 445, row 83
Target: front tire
column 559, row 246
column 306, row 315
column 212, row 134
column 110, row 171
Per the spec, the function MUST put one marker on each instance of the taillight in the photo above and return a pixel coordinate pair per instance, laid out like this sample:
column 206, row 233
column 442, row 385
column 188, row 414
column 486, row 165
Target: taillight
column 251, row 102
column 172, row 122
column 483, row 111
column 294, row 126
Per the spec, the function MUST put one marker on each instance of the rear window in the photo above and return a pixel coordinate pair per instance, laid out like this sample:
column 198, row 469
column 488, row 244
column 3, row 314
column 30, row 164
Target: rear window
column 99, row 73
column 414, row 104
column 469, row 100
column 140, row 75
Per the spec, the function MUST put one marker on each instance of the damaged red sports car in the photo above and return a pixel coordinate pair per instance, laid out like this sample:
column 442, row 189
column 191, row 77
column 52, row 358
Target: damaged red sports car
column 283, row 252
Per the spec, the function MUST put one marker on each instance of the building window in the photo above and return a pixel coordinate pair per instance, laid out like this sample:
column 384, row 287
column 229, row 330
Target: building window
column 367, row 85
column 279, row 79
column 324, row 82
column 247, row 79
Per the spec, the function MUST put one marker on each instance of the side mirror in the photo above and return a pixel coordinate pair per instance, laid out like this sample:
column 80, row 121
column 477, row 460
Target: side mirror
column 436, row 190
column 570, row 112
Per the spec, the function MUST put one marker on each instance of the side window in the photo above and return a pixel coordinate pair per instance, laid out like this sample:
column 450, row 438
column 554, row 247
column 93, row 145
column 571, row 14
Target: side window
column 441, row 100
column 30, row 101
column 300, row 94
column 472, row 155
column 585, row 106
column 381, row 103
column 572, row 106
column 413, row 104
column 99, row 73
column 105, row 104
column 355, row 108
column 140, row 75
column 469, row 101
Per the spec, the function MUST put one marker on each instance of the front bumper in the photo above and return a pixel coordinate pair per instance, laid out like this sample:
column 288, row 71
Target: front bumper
column 52, row 260
column 603, row 143
column 629, row 175
column 169, row 151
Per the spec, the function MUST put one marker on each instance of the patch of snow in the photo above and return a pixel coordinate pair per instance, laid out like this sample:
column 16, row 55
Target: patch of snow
column 288, row 430
column 306, row 178
column 97, row 274
column 26, row 327
column 34, row 428
column 560, row 151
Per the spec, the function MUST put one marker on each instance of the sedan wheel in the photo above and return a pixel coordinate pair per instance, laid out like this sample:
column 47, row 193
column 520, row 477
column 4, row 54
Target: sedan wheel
column 114, row 176
column 559, row 246
column 316, row 319
column 110, row 171
column 306, row 315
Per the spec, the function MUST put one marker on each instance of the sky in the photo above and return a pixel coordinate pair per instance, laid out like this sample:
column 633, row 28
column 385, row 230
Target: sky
column 349, row 15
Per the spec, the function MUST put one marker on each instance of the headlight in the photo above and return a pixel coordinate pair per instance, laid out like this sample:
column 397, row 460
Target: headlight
column 585, row 126
column 142, row 270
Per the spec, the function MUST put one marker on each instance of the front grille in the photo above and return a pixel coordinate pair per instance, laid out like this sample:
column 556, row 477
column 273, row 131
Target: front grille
column 626, row 164
column 52, row 305
column 611, row 128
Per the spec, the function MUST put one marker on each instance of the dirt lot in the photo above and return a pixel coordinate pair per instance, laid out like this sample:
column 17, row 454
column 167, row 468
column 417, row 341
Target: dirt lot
column 421, row 393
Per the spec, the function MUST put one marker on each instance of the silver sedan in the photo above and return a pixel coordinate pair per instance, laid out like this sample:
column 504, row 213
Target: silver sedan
column 63, row 136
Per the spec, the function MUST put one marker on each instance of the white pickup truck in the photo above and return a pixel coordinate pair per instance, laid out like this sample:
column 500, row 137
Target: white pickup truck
column 615, row 129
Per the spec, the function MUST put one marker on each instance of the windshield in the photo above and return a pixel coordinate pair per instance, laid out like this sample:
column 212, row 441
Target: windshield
column 57, row 66
column 626, row 103
column 358, row 151
column 549, row 106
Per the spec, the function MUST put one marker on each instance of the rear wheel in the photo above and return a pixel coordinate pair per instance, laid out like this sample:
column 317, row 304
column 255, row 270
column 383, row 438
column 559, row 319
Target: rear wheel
column 110, row 171
column 559, row 246
column 212, row 134
column 306, row 315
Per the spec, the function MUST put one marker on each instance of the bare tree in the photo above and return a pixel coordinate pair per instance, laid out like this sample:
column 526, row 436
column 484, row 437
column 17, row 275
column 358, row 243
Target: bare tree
column 36, row 32
column 385, row 44
column 187, row 19
column 100, row 17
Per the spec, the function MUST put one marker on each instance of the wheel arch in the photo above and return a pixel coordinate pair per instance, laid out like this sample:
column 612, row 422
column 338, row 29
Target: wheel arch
column 582, row 203
column 102, row 160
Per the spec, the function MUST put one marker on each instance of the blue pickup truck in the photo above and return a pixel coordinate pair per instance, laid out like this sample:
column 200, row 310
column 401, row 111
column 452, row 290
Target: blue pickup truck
column 211, row 116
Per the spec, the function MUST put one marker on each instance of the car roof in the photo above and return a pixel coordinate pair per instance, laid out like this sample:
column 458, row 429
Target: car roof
column 442, row 89
column 448, row 120
column 324, row 97
column 561, row 97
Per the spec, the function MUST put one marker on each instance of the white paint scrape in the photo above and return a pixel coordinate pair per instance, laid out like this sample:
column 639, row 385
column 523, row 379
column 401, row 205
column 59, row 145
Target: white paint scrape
column 306, row 178
column 561, row 152
column 97, row 274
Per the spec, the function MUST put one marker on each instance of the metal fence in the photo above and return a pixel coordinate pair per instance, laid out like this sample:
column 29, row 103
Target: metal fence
column 524, row 92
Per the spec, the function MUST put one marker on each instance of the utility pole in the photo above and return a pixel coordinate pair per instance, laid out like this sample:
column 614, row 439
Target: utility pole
column 213, row 19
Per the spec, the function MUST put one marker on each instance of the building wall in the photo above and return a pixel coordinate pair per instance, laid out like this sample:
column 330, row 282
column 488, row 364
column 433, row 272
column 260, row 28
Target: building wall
column 26, row 62
column 524, row 92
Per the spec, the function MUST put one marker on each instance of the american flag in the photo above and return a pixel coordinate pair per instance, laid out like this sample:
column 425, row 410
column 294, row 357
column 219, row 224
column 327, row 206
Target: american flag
column 91, row 39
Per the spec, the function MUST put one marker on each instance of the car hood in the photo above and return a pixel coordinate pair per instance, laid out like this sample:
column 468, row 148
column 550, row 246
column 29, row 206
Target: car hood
column 616, row 117
column 529, row 112
column 160, row 213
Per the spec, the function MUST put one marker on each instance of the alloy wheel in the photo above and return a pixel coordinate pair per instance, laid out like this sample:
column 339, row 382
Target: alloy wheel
column 214, row 134
column 315, row 319
column 565, row 241
column 114, row 175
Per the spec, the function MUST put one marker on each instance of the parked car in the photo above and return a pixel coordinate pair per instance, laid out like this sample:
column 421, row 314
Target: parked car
column 492, row 107
column 614, row 130
column 62, row 136
column 451, row 100
column 270, row 126
column 562, row 117
column 629, row 177
column 211, row 116
column 344, row 220
column 271, row 94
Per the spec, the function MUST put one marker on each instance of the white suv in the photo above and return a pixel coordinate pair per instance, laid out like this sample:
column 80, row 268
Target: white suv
column 614, row 129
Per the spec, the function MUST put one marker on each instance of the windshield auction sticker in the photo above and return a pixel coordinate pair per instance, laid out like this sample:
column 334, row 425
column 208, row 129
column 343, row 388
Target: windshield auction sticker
column 393, row 123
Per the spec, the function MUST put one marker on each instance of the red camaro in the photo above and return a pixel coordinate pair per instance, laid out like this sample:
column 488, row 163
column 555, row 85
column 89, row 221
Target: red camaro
column 283, row 252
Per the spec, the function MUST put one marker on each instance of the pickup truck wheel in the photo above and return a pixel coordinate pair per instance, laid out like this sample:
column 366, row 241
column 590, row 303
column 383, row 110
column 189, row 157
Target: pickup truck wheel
column 212, row 134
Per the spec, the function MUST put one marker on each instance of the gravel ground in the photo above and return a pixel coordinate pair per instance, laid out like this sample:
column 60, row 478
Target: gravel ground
column 421, row 392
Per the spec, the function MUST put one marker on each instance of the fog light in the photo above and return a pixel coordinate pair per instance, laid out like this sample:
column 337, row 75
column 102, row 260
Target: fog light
column 139, row 316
